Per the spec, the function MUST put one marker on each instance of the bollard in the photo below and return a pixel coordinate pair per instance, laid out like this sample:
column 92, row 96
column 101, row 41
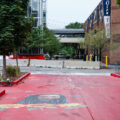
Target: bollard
column 96, row 59
column 106, row 61
column 87, row 58
column 90, row 58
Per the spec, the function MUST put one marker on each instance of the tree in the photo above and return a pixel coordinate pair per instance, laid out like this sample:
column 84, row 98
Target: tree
column 35, row 40
column 118, row 2
column 68, row 50
column 51, row 42
column 13, row 27
column 44, row 39
column 75, row 25
column 97, row 42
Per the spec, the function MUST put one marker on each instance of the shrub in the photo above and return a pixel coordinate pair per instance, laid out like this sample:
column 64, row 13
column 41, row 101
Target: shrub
column 1, row 79
column 118, row 2
column 12, row 71
column 68, row 50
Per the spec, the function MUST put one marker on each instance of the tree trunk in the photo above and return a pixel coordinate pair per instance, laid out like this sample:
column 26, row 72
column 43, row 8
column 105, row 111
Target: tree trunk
column 97, row 55
column 100, row 54
column 16, row 59
column 4, row 67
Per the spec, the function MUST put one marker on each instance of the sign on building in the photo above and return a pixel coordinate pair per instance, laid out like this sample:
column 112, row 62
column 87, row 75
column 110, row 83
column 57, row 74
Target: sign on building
column 107, row 14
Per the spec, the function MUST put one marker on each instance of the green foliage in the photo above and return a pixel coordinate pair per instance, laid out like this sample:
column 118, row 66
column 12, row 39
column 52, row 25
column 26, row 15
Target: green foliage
column 75, row 25
column 14, row 27
column 51, row 43
column 68, row 50
column 43, row 39
column 96, row 41
column 1, row 79
column 13, row 71
column 118, row 2
column 35, row 40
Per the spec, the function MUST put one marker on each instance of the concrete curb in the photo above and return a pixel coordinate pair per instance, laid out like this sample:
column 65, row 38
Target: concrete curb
column 20, row 79
column 2, row 93
column 17, row 81
column 115, row 75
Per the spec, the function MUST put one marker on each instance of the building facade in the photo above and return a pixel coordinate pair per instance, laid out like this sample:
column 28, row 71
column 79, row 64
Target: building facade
column 71, row 37
column 96, row 20
column 37, row 9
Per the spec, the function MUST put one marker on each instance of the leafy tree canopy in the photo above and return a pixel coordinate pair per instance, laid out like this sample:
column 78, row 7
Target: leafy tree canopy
column 97, row 42
column 35, row 40
column 118, row 2
column 43, row 39
column 14, row 27
column 68, row 50
column 75, row 25
column 52, row 43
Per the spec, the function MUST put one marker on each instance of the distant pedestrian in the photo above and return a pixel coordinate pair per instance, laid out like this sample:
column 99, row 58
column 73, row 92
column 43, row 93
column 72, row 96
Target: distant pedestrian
column 47, row 56
column 84, row 56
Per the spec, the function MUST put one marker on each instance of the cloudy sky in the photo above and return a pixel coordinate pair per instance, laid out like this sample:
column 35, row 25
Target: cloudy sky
column 63, row 12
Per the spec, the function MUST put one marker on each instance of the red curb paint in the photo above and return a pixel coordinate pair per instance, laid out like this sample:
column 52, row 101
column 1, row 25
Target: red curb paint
column 3, row 82
column 16, row 81
column 115, row 75
column 2, row 93
column 20, row 79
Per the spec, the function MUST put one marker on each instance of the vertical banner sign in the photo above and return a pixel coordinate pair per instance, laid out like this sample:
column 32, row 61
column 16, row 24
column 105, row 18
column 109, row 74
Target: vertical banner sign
column 107, row 14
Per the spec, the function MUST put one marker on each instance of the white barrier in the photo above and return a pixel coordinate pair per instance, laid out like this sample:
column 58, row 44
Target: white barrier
column 12, row 62
column 47, row 63
column 76, row 64
column 82, row 64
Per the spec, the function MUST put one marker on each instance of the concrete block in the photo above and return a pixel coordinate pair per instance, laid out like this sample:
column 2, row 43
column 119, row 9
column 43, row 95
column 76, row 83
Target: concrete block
column 81, row 64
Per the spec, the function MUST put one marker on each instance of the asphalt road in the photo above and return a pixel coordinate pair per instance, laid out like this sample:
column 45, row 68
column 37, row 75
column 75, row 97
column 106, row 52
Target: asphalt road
column 63, row 71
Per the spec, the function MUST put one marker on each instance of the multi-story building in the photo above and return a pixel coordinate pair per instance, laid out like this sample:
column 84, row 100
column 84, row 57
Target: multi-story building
column 37, row 8
column 71, row 37
column 96, row 20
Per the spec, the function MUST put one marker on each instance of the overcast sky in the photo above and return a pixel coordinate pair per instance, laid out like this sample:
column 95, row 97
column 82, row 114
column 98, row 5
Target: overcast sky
column 63, row 12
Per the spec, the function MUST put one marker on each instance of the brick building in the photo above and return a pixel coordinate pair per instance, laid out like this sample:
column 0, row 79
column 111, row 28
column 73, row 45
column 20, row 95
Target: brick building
column 96, row 20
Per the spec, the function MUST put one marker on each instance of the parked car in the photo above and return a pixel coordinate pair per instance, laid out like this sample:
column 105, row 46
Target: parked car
column 61, row 55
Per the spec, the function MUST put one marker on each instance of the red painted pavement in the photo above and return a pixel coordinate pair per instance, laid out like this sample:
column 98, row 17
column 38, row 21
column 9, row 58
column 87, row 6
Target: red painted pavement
column 20, row 79
column 2, row 92
column 115, row 75
column 100, row 94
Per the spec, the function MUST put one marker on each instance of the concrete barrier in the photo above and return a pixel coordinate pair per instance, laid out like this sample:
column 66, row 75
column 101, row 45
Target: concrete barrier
column 82, row 64
column 47, row 63
column 12, row 62
column 76, row 64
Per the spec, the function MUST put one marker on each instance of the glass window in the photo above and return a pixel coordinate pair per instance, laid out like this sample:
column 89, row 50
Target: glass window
column 35, row 13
